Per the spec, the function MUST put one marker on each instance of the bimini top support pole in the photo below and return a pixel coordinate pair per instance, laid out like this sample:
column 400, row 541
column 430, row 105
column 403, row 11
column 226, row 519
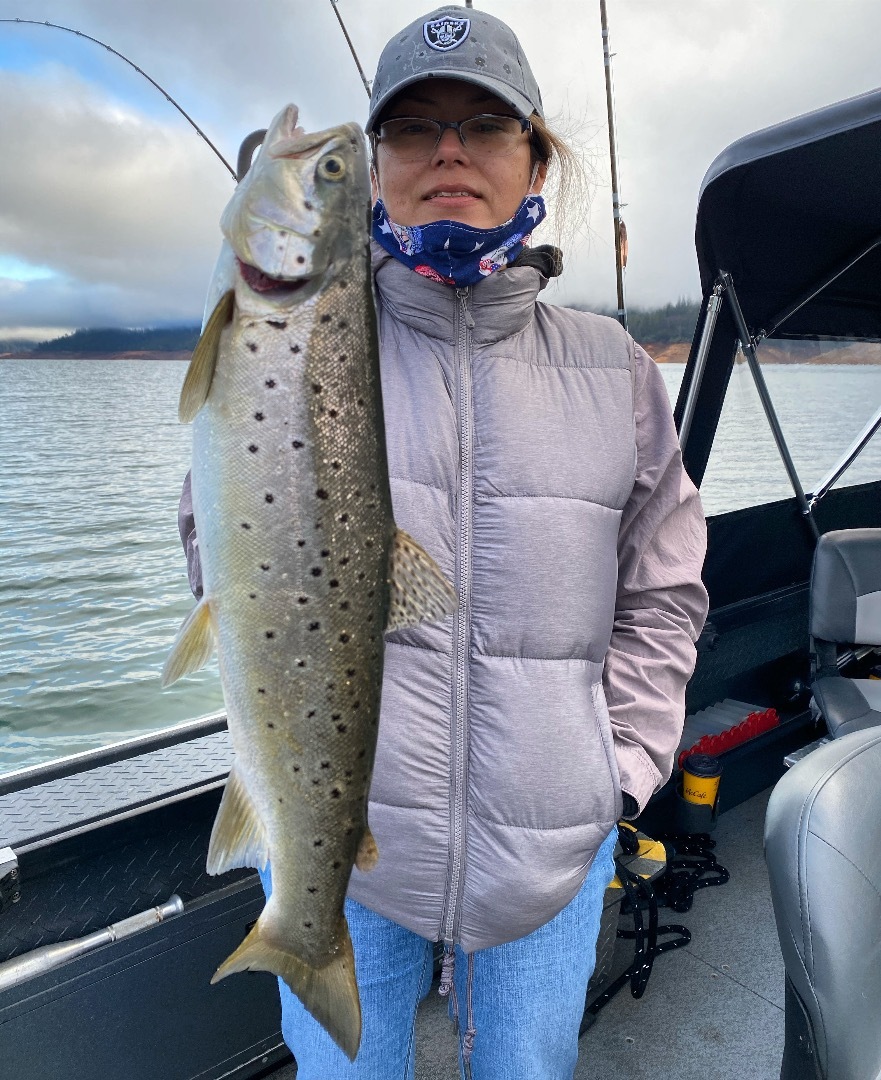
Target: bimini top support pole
column 749, row 350
column 714, row 303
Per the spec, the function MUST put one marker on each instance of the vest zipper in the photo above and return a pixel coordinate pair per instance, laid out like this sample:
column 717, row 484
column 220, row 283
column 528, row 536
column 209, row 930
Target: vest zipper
column 462, row 629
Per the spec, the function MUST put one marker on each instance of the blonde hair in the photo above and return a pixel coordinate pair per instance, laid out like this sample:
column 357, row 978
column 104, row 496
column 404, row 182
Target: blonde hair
column 568, row 183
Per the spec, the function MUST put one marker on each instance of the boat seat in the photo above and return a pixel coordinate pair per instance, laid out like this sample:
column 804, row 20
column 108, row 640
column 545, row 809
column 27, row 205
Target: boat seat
column 823, row 852
column 845, row 609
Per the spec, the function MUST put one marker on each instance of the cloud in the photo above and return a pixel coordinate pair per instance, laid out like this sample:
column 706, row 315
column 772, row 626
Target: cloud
column 104, row 183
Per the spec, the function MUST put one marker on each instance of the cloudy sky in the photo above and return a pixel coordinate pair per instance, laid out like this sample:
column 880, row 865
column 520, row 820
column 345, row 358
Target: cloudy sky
column 109, row 201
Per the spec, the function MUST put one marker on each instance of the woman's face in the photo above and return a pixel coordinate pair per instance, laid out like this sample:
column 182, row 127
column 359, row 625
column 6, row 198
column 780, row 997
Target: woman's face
column 452, row 184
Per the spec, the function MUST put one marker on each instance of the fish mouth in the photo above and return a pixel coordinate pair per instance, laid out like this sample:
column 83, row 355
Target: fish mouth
column 262, row 283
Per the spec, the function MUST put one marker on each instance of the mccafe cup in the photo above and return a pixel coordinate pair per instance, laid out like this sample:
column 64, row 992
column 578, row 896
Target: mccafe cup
column 700, row 779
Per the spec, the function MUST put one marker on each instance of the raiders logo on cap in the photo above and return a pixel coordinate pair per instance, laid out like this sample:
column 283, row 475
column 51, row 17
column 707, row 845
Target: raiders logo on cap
column 445, row 34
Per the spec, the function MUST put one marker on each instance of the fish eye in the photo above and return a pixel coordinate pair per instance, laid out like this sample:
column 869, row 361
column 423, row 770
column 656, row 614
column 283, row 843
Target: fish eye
column 332, row 167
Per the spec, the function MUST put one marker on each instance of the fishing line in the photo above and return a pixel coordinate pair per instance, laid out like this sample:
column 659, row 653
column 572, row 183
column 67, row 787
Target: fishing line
column 140, row 71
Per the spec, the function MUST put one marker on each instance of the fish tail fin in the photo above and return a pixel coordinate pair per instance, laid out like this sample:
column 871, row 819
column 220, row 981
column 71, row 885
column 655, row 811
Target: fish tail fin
column 330, row 993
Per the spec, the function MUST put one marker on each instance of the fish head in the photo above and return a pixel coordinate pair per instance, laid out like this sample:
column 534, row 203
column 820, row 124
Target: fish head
column 302, row 208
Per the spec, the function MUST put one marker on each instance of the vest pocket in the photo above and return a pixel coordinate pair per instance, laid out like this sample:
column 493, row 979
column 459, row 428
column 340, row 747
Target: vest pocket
column 604, row 727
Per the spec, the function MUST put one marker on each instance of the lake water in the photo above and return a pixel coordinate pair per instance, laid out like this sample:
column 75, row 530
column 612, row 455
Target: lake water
column 93, row 579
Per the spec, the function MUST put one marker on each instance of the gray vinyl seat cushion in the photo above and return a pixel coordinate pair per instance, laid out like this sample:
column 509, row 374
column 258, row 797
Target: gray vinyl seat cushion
column 848, row 704
column 845, row 609
column 823, row 852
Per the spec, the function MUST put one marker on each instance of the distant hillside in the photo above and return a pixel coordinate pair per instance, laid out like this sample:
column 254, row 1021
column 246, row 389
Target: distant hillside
column 108, row 341
column 668, row 325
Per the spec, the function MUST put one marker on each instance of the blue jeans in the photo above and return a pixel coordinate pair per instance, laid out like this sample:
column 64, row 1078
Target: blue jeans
column 527, row 996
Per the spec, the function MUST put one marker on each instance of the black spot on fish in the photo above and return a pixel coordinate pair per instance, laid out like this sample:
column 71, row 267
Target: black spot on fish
column 335, row 716
column 368, row 543
column 295, row 348
column 335, row 465
column 270, row 634
column 361, row 753
column 316, row 387
column 302, row 599
column 341, row 728
column 279, row 324
column 311, row 888
column 344, row 606
column 325, row 318
column 337, row 865
column 321, row 493
column 310, row 714
column 356, row 704
column 308, row 205
column 264, row 566
column 301, row 663
column 343, row 357
column 344, row 284
column 342, row 324
column 371, row 594
column 361, row 401
column 349, row 831
column 270, row 498
column 333, row 414
column 335, row 793
column 316, row 571
column 300, row 259
column 258, row 415
column 260, row 690
column 345, row 559
column 245, row 525
column 344, row 638
column 315, row 784
column 324, row 553
column 308, row 925
column 270, row 383
column 361, row 576
column 253, row 448
column 331, row 685
column 317, row 843
column 334, row 584
column 357, row 493
column 343, row 518
column 296, row 768
column 348, row 772
column 252, row 596
column 252, row 345
column 301, row 543
column 297, row 445
column 314, row 626
column 325, row 764
column 316, row 232
column 280, row 799
column 350, row 672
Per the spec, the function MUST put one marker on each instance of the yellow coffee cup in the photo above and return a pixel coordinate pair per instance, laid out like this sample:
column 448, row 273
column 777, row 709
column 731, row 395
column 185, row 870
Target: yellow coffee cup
column 700, row 779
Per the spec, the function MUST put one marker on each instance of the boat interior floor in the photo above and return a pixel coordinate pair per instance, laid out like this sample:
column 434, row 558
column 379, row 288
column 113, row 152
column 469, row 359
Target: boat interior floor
column 712, row 1008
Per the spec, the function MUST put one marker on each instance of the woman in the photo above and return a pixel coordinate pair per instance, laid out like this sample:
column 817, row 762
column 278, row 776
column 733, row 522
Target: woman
column 532, row 453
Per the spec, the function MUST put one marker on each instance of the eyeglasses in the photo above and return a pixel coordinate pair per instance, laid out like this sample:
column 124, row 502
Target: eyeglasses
column 415, row 138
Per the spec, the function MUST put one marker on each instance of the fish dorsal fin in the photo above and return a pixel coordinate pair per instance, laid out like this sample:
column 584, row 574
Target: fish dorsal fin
column 238, row 837
column 419, row 591
column 197, row 384
column 193, row 645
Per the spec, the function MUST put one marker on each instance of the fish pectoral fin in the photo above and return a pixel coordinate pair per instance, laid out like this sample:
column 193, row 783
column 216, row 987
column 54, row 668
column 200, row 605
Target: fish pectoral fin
column 193, row 645
column 330, row 993
column 368, row 853
column 419, row 591
column 238, row 837
column 200, row 373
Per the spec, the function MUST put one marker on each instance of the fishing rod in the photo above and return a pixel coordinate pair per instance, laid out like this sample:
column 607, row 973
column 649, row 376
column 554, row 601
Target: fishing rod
column 364, row 79
column 140, row 71
column 620, row 228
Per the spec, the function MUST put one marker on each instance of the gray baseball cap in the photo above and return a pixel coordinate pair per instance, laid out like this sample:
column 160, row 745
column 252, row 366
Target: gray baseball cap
column 456, row 43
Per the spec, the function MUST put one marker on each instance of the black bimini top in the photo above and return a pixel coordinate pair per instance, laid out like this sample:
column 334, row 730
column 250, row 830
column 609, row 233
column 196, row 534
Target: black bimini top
column 796, row 207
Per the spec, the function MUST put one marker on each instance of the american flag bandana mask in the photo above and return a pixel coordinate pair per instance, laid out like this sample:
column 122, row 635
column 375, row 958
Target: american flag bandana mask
column 457, row 254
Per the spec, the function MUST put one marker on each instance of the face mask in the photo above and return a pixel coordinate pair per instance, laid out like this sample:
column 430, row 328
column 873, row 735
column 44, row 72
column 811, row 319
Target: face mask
column 453, row 253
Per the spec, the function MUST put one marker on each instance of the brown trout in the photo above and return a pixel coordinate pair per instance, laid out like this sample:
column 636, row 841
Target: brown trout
column 303, row 567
